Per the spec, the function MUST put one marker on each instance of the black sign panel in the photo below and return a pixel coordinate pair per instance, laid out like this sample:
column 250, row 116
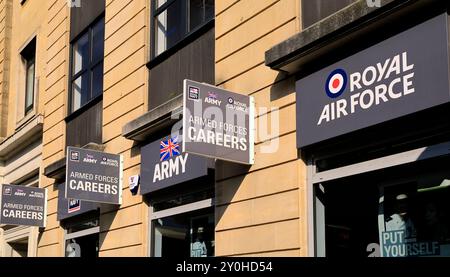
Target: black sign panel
column 404, row 74
column 93, row 176
column 21, row 205
column 68, row 208
column 163, row 165
column 218, row 123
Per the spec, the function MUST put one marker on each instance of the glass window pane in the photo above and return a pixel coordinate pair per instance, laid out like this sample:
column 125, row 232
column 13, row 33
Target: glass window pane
column 80, row 54
column 170, row 27
column 196, row 14
column 29, row 96
column 79, row 92
column 98, row 41
column 85, row 246
column 161, row 26
column 185, row 235
column 209, row 9
column 97, row 80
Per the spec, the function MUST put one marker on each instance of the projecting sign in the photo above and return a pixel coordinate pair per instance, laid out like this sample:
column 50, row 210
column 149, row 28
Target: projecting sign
column 93, row 176
column 163, row 165
column 21, row 205
column 218, row 123
column 399, row 76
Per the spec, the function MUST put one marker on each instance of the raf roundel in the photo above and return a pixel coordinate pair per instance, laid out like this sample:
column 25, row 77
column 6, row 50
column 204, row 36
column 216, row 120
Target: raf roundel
column 336, row 83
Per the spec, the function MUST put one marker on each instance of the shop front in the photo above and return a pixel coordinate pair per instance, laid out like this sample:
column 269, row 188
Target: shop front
column 179, row 189
column 373, row 128
column 80, row 221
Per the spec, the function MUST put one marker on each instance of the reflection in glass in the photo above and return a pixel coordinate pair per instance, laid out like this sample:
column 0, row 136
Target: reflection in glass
column 98, row 35
column 80, row 54
column 196, row 13
column 79, row 92
column 170, row 27
column 97, row 80
column 29, row 95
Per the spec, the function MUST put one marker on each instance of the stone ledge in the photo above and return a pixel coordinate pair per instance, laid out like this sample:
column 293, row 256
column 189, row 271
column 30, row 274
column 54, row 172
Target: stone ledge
column 340, row 30
column 30, row 131
column 155, row 120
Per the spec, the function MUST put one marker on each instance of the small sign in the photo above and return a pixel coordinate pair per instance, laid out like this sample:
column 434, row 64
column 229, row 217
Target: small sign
column 93, row 176
column 397, row 244
column 73, row 205
column 218, row 123
column 21, row 205
column 68, row 208
column 134, row 184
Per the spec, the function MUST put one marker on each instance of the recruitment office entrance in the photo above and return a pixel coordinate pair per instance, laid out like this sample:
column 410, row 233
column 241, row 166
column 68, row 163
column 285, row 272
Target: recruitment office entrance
column 374, row 129
column 179, row 190
column 358, row 215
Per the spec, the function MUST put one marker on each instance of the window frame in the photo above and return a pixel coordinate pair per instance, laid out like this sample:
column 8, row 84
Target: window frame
column 89, row 68
column 188, row 33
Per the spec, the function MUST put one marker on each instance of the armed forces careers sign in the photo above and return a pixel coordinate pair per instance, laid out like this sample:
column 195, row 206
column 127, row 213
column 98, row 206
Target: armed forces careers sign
column 21, row 205
column 218, row 123
column 163, row 165
column 399, row 76
column 93, row 176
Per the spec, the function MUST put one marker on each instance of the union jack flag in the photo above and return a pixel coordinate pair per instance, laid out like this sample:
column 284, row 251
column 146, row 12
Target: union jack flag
column 169, row 148
column 212, row 95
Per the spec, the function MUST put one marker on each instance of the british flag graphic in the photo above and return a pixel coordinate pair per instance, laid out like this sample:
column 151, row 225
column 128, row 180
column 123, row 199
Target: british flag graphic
column 169, row 148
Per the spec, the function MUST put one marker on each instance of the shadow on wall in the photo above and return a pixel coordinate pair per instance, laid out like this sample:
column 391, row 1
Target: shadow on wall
column 230, row 176
column 110, row 212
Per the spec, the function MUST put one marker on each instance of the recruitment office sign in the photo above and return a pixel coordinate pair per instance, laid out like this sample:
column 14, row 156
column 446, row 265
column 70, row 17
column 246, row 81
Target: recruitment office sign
column 93, row 176
column 21, row 205
column 164, row 165
column 218, row 123
column 399, row 76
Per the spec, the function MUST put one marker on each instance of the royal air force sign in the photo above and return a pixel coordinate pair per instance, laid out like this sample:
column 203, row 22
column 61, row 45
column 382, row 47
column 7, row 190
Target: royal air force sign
column 394, row 78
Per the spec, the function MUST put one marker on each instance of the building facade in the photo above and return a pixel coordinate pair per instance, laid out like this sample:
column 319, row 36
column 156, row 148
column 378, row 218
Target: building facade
column 23, row 78
column 350, row 114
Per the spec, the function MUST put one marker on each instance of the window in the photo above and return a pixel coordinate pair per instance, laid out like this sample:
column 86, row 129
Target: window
column 173, row 20
column 398, row 212
column 183, row 224
column 185, row 235
column 29, row 59
column 87, row 66
column 82, row 237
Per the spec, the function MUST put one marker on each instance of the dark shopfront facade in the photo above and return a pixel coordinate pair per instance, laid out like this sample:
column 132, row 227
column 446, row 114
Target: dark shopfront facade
column 373, row 101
